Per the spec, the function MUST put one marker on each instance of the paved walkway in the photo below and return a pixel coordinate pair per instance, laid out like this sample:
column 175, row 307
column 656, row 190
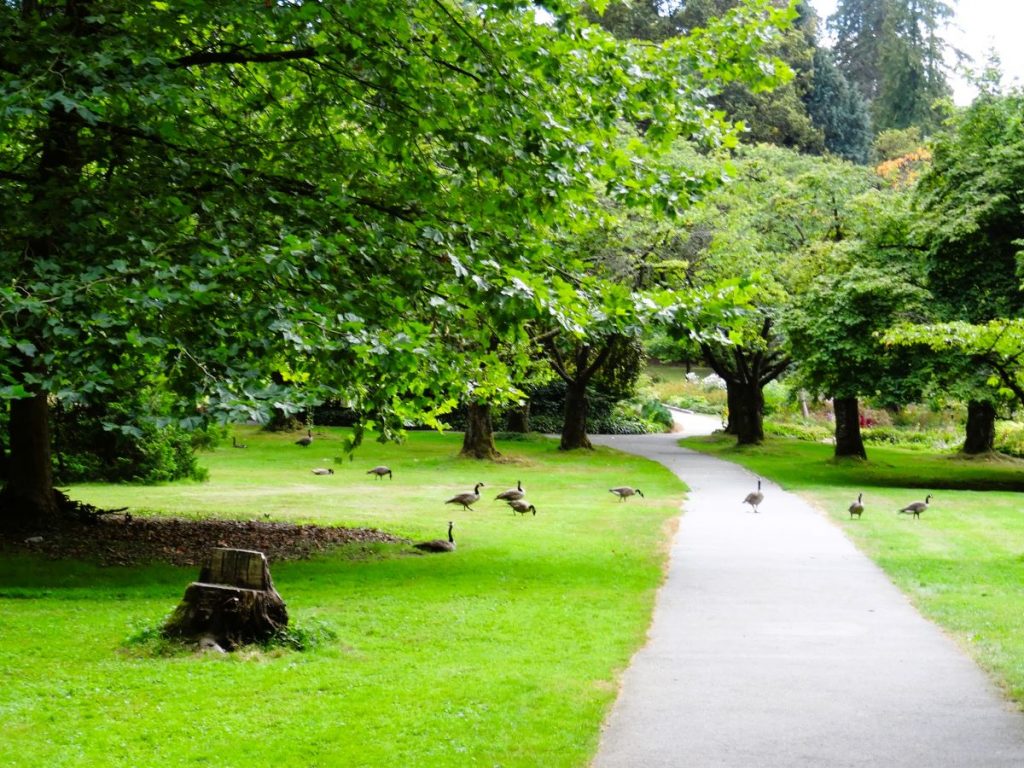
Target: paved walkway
column 776, row 643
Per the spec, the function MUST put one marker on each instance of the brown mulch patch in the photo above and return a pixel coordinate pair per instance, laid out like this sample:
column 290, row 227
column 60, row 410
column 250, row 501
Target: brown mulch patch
column 122, row 540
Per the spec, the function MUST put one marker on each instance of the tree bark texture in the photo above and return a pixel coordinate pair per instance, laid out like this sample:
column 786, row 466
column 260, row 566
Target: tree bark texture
column 574, row 423
column 478, row 439
column 519, row 419
column 848, row 437
column 28, row 500
column 981, row 428
column 746, row 411
column 234, row 603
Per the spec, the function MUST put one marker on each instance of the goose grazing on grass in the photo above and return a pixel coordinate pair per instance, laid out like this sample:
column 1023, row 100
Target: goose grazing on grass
column 380, row 472
column 754, row 498
column 322, row 471
column 624, row 491
column 512, row 494
column 522, row 506
column 915, row 508
column 438, row 545
column 467, row 499
column 857, row 507
column 236, row 444
column 307, row 440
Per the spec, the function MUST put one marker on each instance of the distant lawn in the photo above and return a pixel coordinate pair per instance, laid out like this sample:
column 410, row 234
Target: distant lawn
column 669, row 384
column 962, row 563
column 506, row 652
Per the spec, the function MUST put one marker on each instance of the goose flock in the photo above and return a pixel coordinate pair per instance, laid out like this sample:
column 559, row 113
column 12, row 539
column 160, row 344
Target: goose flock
column 856, row 508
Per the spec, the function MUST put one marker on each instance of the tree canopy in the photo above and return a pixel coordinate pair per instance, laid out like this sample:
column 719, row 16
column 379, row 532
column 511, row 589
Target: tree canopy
column 313, row 191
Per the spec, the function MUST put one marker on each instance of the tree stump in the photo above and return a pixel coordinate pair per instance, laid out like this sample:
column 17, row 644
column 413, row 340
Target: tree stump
column 234, row 602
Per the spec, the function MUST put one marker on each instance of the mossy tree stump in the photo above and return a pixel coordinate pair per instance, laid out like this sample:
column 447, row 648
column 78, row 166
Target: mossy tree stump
column 233, row 603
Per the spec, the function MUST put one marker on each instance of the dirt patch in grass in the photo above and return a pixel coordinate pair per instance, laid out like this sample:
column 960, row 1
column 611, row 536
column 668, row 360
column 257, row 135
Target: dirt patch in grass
column 130, row 540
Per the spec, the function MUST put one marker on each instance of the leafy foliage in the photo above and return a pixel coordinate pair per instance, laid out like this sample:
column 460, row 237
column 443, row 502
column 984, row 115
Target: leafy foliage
column 833, row 333
column 283, row 204
column 241, row 192
column 970, row 198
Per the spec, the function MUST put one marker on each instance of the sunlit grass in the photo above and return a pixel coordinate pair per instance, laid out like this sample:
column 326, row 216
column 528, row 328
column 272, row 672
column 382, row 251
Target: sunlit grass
column 506, row 652
column 962, row 563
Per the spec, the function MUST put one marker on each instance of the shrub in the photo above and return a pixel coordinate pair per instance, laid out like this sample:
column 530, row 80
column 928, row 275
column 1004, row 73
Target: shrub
column 776, row 397
column 1010, row 438
column 938, row 439
column 109, row 443
column 810, row 432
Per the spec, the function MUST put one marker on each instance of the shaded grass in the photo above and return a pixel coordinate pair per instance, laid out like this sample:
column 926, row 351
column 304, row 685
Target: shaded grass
column 506, row 652
column 962, row 563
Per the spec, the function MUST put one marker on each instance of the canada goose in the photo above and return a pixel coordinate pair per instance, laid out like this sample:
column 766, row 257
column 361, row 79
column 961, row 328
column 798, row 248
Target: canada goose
column 380, row 472
column 305, row 441
column 623, row 491
column 857, row 507
column 512, row 493
column 915, row 508
column 522, row 506
column 438, row 545
column 467, row 499
column 322, row 471
column 236, row 444
column 755, row 497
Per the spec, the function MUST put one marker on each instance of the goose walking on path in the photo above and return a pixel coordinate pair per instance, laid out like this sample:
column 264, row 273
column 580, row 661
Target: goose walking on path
column 512, row 493
column 915, row 508
column 857, row 507
column 380, row 472
column 438, row 545
column 624, row 491
column 754, row 498
column 467, row 499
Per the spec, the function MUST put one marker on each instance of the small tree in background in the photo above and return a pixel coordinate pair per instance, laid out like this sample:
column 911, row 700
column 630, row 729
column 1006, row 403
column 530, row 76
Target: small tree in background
column 833, row 330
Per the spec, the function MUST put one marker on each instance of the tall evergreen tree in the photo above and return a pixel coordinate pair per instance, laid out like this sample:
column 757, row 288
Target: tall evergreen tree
column 837, row 108
column 892, row 50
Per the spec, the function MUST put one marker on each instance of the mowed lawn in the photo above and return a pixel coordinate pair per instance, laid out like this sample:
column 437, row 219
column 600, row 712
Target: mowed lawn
column 504, row 653
column 961, row 563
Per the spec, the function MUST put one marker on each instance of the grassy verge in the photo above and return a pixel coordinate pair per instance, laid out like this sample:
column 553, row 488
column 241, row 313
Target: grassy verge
column 506, row 652
column 962, row 563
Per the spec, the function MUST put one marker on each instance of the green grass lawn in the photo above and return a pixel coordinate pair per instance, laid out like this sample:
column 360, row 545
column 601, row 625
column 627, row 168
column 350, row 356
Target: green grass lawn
column 504, row 653
column 962, row 563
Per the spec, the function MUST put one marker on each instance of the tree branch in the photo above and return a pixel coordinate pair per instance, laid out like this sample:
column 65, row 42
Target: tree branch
column 243, row 56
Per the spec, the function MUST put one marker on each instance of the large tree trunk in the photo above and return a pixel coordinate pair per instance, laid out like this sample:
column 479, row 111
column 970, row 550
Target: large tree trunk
column 848, row 438
column 981, row 428
column 478, row 440
column 574, row 423
column 29, row 500
column 519, row 419
column 731, row 406
column 746, row 412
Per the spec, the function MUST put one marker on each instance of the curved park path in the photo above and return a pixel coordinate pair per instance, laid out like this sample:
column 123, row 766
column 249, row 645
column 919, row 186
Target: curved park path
column 776, row 643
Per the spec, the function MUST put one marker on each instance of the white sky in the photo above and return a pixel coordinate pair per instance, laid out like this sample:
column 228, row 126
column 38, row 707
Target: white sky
column 979, row 25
